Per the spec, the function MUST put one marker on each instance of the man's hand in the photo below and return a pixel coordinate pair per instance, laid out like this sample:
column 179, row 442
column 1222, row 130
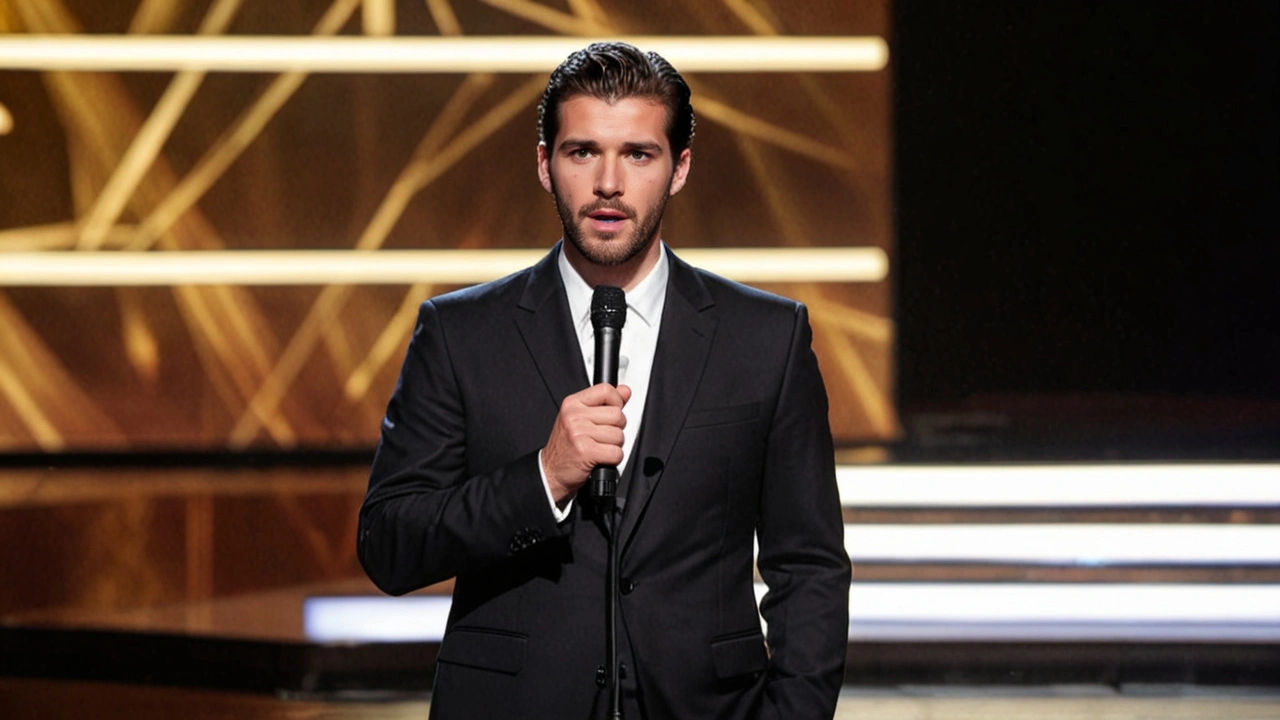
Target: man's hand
column 587, row 433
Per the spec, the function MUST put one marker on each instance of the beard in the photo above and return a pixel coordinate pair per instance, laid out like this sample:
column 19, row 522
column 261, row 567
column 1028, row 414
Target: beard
column 609, row 250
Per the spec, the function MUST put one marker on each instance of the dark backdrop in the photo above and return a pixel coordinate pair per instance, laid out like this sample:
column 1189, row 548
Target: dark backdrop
column 1087, row 197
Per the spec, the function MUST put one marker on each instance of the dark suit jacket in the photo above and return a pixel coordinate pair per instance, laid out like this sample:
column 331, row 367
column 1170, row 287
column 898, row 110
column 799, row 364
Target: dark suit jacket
column 734, row 442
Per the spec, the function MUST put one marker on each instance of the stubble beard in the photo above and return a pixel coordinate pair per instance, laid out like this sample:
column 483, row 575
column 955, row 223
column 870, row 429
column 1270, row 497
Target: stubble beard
column 610, row 250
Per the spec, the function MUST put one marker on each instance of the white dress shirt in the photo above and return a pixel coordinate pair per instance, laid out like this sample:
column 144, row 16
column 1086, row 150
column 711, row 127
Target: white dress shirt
column 639, row 343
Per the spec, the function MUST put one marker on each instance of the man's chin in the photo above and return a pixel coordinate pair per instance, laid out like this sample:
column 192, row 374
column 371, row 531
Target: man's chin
column 595, row 243
column 605, row 252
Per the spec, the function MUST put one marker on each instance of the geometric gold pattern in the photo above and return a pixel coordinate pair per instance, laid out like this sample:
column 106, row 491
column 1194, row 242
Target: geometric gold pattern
column 99, row 162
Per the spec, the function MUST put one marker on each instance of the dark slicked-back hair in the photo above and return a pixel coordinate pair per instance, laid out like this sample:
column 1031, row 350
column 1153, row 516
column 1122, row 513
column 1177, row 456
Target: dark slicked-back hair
column 612, row 71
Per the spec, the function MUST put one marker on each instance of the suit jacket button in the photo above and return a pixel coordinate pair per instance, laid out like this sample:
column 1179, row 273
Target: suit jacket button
column 627, row 586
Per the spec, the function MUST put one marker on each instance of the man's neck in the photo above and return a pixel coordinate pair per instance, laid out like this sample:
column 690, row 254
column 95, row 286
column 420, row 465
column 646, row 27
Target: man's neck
column 626, row 276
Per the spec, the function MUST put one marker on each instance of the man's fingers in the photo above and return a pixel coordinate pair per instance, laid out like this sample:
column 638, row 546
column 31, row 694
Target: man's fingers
column 604, row 415
column 587, row 433
column 602, row 394
column 601, row 434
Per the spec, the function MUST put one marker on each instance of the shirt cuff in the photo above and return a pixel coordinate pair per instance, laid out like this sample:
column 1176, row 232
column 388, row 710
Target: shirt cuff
column 560, row 515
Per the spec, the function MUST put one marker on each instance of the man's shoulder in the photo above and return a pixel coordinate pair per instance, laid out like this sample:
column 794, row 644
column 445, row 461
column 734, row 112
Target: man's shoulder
column 734, row 296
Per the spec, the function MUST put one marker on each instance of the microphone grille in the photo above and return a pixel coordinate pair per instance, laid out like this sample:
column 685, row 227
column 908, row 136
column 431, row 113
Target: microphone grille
column 608, row 307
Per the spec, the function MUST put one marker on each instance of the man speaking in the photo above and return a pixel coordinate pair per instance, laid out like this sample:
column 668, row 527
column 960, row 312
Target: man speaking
column 717, row 426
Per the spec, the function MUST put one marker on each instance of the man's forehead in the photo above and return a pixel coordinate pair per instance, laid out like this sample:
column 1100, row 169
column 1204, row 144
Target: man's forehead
column 631, row 119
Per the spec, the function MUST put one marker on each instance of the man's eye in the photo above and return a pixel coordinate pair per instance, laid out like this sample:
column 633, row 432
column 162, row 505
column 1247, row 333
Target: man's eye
column 639, row 155
column 581, row 153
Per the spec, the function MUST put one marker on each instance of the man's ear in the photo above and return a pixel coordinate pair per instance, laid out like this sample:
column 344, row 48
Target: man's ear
column 544, row 167
column 682, row 171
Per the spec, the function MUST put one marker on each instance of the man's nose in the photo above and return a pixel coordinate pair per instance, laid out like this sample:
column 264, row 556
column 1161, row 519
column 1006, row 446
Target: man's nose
column 609, row 178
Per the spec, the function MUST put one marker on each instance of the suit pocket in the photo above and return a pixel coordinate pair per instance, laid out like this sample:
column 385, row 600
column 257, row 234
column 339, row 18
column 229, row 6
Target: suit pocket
column 484, row 649
column 739, row 654
column 707, row 417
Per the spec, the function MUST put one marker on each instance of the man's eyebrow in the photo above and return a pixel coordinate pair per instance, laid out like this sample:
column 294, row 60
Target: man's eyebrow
column 571, row 144
column 577, row 143
column 652, row 148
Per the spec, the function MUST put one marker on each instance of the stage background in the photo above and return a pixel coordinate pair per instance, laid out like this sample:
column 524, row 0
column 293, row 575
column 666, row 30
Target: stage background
column 384, row 161
column 1087, row 202
column 1081, row 249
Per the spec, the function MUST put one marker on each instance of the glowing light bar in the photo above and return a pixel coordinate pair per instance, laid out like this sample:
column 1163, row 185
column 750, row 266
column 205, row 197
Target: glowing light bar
column 1078, row 485
column 919, row 611
column 1067, row 544
column 374, row 618
column 399, row 267
column 1060, row 611
column 511, row 54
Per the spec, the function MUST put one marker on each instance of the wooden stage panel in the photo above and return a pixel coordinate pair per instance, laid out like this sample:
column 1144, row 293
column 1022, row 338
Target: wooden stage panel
column 123, row 539
column 286, row 538
column 119, row 554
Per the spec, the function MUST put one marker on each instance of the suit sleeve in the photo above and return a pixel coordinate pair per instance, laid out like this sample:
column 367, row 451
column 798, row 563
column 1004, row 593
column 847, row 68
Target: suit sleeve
column 802, row 557
column 424, row 519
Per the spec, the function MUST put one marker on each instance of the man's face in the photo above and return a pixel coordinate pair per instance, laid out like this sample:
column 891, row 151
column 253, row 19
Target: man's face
column 611, row 172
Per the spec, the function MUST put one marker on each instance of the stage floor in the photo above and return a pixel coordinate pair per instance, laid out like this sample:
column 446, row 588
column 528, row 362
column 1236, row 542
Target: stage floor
column 53, row 700
column 187, row 578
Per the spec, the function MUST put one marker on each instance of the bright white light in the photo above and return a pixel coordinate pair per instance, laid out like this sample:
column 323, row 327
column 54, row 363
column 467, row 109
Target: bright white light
column 1114, row 485
column 399, row 267
column 919, row 611
column 1059, row 611
column 516, row 54
column 374, row 618
column 1068, row 543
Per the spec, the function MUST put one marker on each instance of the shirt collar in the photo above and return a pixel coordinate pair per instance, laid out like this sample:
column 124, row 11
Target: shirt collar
column 644, row 301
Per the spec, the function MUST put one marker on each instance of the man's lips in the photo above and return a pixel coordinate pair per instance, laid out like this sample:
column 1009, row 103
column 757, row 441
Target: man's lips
column 607, row 212
column 605, row 220
column 607, row 215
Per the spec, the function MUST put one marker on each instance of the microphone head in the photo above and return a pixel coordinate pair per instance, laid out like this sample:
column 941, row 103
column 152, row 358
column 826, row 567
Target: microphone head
column 608, row 307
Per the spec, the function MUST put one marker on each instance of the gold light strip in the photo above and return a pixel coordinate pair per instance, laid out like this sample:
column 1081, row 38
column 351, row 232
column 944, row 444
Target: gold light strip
column 398, row 267
column 513, row 54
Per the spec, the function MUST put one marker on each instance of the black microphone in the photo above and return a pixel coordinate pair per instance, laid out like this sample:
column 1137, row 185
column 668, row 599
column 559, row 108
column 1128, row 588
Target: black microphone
column 608, row 315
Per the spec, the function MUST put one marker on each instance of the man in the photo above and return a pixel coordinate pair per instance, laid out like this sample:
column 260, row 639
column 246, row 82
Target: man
column 719, row 427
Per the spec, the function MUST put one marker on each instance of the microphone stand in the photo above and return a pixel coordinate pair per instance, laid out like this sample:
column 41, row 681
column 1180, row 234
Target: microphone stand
column 611, row 612
column 608, row 315
column 607, row 505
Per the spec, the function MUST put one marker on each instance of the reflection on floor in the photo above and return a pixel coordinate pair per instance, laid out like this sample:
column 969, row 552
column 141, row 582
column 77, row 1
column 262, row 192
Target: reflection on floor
column 51, row 700
column 199, row 577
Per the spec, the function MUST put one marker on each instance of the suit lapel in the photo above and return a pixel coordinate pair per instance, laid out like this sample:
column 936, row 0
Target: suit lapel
column 683, row 343
column 547, row 330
